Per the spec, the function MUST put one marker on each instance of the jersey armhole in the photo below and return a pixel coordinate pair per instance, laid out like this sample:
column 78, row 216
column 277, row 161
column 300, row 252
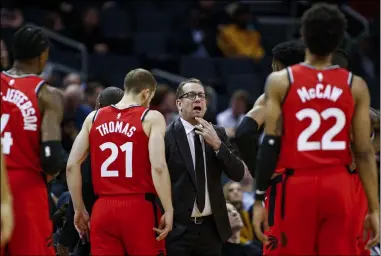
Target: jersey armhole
column 350, row 79
column 144, row 115
column 39, row 86
column 95, row 115
column 290, row 82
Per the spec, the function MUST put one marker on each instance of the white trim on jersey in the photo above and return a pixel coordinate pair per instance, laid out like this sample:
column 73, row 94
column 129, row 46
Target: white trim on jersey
column 144, row 113
column 38, row 87
column 291, row 76
column 349, row 81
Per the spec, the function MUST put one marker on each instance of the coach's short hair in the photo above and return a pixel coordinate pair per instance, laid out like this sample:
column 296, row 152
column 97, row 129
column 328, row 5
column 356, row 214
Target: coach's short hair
column 29, row 42
column 138, row 80
column 109, row 96
column 180, row 91
column 340, row 57
column 323, row 28
column 289, row 53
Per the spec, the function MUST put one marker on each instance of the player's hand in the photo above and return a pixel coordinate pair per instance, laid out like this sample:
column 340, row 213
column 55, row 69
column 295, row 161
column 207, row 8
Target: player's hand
column 260, row 218
column 206, row 130
column 165, row 226
column 6, row 222
column 82, row 224
column 372, row 220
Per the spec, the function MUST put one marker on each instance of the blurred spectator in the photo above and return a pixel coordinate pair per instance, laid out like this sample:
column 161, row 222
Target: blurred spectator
column 4, row 56
column 92, row 90
column 233, row 194
column 164, row 101
column 233, row 247
column 231, row 117
column 89, row 32
column 11, row 18
column 75, row 113
column 71, row 78
column 240, row 39
column 247, row 185
column 54, row 22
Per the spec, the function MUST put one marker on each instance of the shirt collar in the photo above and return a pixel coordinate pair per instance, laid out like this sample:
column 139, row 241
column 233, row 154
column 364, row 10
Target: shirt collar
column 187, row 126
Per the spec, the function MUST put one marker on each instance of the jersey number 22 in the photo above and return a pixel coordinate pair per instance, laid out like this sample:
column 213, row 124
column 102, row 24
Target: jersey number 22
column 326, row 142
column 126, row 148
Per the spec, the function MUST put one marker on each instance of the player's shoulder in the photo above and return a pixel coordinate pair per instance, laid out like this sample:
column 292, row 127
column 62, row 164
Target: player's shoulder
column 277, row 82
column 154, row 116
column 50, row 93
column 260, row 101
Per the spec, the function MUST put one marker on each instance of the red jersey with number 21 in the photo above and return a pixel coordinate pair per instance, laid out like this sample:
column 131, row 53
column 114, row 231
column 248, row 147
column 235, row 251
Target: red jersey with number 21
column 317, row 115
column 21, row 121
column 119, row 152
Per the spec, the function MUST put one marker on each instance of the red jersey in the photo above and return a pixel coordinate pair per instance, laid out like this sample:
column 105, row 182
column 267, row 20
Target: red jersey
column 119, row 152
column 317, row 114
column 21, row 121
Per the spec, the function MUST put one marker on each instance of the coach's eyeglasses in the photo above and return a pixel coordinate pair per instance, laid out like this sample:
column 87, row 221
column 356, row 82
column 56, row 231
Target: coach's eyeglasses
column 193, row 95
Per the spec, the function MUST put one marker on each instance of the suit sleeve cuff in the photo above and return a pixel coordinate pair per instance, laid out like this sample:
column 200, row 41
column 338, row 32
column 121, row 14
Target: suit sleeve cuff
column 222, row 151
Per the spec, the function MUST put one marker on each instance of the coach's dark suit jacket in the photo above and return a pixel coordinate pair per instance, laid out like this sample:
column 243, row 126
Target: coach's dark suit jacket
column 181, row 169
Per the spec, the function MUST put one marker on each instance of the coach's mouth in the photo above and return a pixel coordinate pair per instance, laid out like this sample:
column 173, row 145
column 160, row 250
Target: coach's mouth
column 197, row 108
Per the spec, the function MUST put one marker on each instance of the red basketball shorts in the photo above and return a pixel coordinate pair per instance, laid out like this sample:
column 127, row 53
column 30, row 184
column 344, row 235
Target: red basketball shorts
column 273, row 205
column 32, row 234
column 123, row 225
column 318, row 212
column 359, row 214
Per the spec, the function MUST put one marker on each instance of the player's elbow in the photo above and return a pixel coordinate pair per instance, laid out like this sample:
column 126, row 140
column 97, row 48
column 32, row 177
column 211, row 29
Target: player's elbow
column 159, row 168
column 71, row 167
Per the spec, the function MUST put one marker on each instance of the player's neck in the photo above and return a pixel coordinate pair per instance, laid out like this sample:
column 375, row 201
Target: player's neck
column 20, row 68
column 318, row 61
column 129, row 99
column 235, row 238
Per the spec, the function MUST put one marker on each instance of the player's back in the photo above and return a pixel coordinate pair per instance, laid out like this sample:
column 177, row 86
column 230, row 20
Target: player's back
column 317, row 114
column 119, row 152
column 21, row 121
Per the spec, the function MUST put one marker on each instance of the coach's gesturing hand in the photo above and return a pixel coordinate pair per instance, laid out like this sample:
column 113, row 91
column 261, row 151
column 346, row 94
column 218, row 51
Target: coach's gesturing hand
column 165, row 226
column 82, row 224
column 206, row 130
column 260, row 217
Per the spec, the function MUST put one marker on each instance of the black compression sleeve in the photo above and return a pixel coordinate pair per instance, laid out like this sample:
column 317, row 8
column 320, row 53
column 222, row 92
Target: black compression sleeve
column 246, row 139
column 53, row 157
column 267, row 159
column 246, row 127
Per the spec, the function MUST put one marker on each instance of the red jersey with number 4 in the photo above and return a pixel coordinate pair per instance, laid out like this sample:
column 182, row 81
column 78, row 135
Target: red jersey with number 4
column 21, row 121
column 119, row 152
column 317, row 115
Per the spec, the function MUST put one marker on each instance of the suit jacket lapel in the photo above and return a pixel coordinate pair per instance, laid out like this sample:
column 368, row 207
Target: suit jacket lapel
column 183, row 145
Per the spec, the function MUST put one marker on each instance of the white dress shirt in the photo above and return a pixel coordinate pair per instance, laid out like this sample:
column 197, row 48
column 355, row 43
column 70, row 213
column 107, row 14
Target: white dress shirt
column 189, row 131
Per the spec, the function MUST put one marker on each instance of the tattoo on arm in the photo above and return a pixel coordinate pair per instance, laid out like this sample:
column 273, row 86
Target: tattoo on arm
column 52, row 105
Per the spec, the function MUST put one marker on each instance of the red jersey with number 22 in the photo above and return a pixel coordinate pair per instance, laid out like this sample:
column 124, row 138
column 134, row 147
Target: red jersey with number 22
column 21, row 121
column 317, row 115
column 119, row 152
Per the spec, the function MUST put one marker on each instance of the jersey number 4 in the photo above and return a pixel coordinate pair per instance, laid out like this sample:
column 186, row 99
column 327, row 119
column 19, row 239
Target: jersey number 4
column 6, row 140
column 326, row 142
column 126, row 148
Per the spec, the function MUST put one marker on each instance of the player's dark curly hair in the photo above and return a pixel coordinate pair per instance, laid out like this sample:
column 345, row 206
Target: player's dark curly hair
column 109, row 96
column 341, row 58
column 323, row 28
column 29, row 42
column 289, row 53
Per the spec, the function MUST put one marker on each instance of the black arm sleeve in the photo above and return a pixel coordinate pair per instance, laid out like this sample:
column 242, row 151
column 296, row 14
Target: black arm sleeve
column 246, row 139
column 53, row 157
column 267, row 160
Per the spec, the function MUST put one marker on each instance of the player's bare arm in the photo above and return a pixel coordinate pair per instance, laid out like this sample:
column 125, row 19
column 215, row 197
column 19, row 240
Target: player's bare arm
column 364, row 154
column 276, row 88
column 6, row 206
column 53, row 156
column 154, row 126
column 78, row 154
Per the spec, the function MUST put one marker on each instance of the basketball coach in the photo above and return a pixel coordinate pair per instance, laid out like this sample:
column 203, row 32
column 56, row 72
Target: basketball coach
column 197, row 153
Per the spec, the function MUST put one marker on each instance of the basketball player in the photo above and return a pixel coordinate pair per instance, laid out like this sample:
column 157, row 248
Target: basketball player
column 69, row 237
column 126, row 143
column 316, row 103
column 6, row 206
column 31, row 115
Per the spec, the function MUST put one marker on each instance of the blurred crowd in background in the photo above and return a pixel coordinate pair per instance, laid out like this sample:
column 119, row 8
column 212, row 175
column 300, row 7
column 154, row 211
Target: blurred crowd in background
column 225, row 44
